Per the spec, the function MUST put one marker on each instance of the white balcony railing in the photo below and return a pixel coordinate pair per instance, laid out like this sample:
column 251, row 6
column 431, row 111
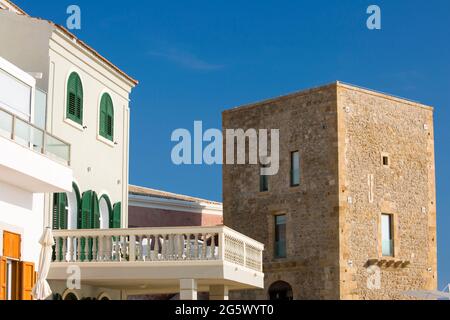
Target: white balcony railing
column 28, row 135
column 157, row 244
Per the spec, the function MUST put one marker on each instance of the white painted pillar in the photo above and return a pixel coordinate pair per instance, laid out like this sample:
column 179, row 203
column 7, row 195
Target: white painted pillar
column 218, row 292
column 188, row 289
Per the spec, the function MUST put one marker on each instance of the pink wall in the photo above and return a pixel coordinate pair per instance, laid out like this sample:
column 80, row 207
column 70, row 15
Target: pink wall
column 139, row 217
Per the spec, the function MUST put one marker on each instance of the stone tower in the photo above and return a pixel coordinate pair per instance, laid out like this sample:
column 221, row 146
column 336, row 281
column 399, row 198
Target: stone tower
column 360, row 222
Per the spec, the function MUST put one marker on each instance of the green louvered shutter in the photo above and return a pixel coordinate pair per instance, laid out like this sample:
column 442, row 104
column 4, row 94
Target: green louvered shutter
column 116, row 215
column 86, row 210
column 107, row 117
column 55, row 212
column 71, row 96
column 85, row 222
column 62, row 208
column 79, row 105
column 75, row 98
column 96, row 212
column 110, row 120
column 103, row 117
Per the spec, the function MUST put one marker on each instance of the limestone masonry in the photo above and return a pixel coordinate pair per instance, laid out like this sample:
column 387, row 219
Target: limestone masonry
column 362, row 154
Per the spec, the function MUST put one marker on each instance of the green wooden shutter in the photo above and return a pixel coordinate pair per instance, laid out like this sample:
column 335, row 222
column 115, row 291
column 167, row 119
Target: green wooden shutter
column 75, row 98
column 79, row 100
column 55, row 212
column 86, row 210
column 85, row 223
column 110, row 120
column 96, row 212
column 116, row 216
column 62, row 208
column 107, row 117
column 103, row 117
column 71, row 96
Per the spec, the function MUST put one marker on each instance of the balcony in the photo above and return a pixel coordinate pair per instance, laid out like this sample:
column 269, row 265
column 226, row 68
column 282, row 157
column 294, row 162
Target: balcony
column 155, row 260
column 31, row 158
column 28, row 135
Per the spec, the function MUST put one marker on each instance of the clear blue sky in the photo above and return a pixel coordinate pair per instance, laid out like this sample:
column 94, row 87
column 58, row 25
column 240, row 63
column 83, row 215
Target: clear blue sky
column 195, row 59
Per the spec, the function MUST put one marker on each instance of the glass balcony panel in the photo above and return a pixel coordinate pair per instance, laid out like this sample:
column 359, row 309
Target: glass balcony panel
column 6, row 121
column 55, row 147
column 27, row 135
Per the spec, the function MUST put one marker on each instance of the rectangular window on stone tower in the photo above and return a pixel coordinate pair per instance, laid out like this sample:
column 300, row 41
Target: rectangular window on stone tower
column 295, row 169
column 387, row 235
column 280, row 236
column 263, row 182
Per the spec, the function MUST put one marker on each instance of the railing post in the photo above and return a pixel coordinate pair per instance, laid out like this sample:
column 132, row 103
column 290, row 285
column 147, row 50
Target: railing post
column 222, row 245
column 13, row 127
column 245, row 254
column 44, row 142
column 132, row 248
column 64, row 249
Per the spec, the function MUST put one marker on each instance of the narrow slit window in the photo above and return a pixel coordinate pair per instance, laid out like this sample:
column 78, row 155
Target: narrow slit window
column 263, row 181
column 385, row 161
column 387, row 235
column 295, row 169
column 280, row 236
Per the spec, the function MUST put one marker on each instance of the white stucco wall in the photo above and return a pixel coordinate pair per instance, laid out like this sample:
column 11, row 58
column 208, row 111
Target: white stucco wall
column 37, row 46
column 21, row 212
column 24, row 42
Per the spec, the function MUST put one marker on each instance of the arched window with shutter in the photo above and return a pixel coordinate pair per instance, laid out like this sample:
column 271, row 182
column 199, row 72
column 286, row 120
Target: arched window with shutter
column 106, row 127
column 74, row 110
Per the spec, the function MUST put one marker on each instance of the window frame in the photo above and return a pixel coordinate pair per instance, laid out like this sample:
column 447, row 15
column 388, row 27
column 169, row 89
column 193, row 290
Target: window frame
column 391, row 236
column 276, row 241
column 292, row 170
column 106, row 112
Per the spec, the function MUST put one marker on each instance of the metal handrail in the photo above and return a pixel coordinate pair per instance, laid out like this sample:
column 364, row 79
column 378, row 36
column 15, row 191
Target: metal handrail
column 45, row 134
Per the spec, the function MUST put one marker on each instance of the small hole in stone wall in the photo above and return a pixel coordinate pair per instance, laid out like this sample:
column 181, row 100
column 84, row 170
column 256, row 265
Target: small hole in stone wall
column 385, row 161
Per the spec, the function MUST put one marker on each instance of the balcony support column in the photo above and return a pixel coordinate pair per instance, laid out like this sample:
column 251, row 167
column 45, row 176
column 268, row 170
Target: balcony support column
column 188, row 289
column 218, row 292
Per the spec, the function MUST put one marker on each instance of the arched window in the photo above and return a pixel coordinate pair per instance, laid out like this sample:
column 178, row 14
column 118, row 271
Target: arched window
column 70, row 296
column 107, row 117
column 74, row 206
column 280, row 290
column 106, row 211
column 74, row 110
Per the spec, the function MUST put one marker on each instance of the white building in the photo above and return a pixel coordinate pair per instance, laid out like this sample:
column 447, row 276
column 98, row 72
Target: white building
column 87, row 105
column 32, row 162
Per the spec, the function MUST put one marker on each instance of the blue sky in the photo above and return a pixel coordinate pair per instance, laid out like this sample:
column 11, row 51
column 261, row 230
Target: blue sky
column 195, row 59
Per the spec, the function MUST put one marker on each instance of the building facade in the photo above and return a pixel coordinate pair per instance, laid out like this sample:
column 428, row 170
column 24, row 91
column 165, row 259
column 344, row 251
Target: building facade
column 150, row 208
column 84, row 101
column 351, row 213
column 32, row 163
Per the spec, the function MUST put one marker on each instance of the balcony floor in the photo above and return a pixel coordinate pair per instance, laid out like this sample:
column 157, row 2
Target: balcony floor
column 160, row 276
